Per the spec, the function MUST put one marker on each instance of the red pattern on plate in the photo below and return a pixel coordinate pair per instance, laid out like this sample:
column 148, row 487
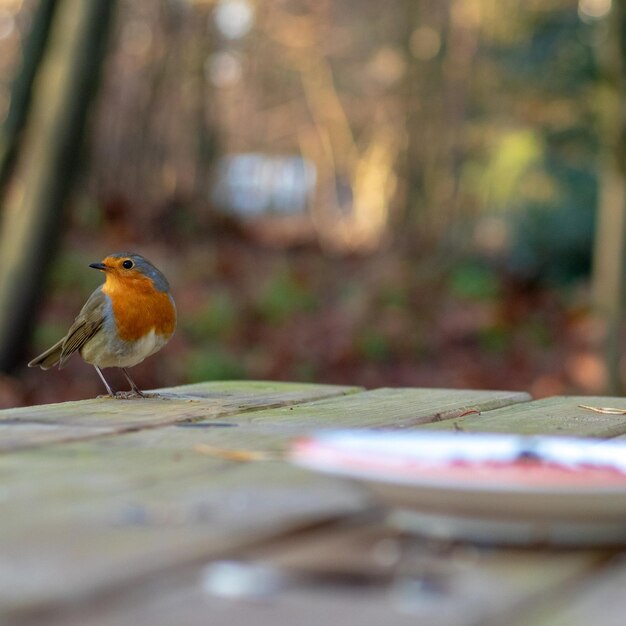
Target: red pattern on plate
column 529, row 472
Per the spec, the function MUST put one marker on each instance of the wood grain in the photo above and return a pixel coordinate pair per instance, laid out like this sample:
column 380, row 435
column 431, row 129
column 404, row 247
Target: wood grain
column 598, row 599
column 70, row 421
column 118, row 526
column 361, row 572
column 387, row 407
column 90, row 517
column 549, row 416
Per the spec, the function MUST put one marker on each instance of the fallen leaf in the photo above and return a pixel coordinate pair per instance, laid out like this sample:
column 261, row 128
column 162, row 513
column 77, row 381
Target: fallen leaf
column 603, row 410
column 241, row 456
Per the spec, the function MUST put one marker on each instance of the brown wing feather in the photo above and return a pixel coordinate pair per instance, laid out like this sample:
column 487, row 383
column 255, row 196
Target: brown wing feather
column 49, row 358
column 88, row 322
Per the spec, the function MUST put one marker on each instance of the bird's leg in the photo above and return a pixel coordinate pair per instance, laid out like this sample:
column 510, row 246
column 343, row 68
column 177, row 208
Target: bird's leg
column 135, row 390
column 104, row 381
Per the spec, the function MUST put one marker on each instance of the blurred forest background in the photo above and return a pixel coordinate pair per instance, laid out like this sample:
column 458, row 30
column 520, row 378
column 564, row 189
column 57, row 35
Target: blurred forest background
column 351, row 191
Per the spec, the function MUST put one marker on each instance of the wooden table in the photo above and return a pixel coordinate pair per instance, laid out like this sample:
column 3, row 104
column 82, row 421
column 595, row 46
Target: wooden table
column 128, row 512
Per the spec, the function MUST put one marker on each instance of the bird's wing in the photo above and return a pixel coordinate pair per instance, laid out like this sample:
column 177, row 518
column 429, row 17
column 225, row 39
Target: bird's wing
column 49, row 358
column 87, row 323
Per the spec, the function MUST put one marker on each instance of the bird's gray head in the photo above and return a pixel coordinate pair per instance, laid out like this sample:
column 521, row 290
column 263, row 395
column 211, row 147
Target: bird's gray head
column 123, row 263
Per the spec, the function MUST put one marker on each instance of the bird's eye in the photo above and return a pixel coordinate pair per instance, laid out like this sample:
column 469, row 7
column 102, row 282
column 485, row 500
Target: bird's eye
column 127, row 264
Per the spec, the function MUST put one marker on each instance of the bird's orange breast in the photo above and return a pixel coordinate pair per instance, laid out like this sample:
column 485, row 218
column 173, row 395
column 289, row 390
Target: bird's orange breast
column 139, row 308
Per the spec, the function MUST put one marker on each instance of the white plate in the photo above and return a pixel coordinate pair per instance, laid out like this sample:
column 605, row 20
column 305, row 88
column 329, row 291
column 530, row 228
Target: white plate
column 483, row 487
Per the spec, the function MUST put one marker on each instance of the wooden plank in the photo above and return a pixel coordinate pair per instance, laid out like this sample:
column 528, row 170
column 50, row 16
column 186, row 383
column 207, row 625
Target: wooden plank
column 103, row 547
column 598, row 599
column 67, row 477
column 435, row 583
column 395, row 408
column 156, row 486
column 361, row 573
column 17, row 434
column 386, row 407
column 115, row 463
column 140, row 456
column 120, row 507
column 182, row 601
column 548, row 416
column 69, row 421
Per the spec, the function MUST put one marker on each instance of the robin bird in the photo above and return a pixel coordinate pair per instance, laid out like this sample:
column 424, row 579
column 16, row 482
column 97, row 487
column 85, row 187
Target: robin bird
column 125, row 320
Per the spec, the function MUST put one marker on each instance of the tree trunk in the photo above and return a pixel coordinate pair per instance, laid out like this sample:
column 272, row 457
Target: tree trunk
column 21, row 89
column 63, row 88
column 610, row 240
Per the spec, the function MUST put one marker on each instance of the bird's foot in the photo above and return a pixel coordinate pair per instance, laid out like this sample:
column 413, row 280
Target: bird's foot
column 134, row 394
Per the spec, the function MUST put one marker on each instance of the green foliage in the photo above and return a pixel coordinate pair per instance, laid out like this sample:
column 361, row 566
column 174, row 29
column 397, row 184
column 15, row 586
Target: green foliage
column 537, row 331
column 47, row 334
column 474, row 281
column 395, row 297
column 214, row 364
column 495, row 339
column 373, row 345
column 282, row 296
column 535, row 144
column 513, row 155
column 306, row 371
column 553, row 241
column 71, row 272
column 555, row 57
column 217, row 319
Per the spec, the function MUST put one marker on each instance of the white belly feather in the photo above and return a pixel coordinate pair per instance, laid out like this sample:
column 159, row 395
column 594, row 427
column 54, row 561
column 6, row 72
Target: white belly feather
column 103, row 352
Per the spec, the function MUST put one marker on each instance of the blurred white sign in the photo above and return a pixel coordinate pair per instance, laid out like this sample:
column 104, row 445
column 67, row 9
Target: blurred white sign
column 252, row 184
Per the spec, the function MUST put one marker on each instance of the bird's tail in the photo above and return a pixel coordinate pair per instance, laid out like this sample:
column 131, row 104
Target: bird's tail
column 49, row 358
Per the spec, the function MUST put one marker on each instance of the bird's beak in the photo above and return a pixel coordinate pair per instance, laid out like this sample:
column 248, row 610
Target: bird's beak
column 99, row 266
